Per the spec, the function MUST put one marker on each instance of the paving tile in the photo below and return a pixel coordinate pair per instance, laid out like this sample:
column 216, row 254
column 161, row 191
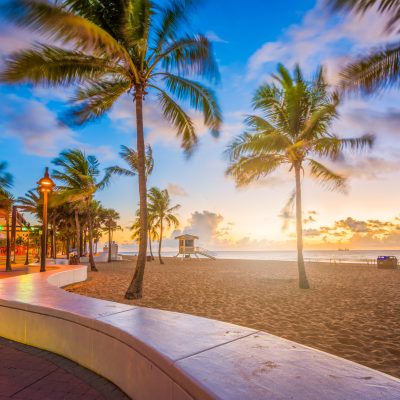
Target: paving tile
column 27, row 374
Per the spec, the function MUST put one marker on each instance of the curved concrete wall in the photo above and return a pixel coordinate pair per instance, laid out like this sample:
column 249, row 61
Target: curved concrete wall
column 159, row 355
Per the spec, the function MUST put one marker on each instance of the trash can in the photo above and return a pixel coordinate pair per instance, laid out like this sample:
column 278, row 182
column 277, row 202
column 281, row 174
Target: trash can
column 388, row 262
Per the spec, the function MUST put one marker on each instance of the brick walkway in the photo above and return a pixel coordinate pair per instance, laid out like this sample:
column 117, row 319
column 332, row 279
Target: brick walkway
column 27, row 373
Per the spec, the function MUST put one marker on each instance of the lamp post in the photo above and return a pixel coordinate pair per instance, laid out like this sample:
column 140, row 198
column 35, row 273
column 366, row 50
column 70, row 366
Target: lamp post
column 46, row 185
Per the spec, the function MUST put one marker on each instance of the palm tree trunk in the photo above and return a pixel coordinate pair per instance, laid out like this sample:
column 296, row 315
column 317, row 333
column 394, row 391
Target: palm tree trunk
column 13, row 233
column 91, row 258
column 136, row 286
column 303, row 281
column 77, row 234
column 150, row 249
column 109, row 244
column 160, row 243
column 27, row 250
column 8, row 243
column 53, row 236
column 67, row 245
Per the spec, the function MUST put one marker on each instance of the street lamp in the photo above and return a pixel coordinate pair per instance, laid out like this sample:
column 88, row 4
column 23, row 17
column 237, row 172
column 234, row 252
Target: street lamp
column 46, row 185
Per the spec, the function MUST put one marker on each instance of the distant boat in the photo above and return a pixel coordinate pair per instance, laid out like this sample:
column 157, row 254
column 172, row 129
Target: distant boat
column 343, row 249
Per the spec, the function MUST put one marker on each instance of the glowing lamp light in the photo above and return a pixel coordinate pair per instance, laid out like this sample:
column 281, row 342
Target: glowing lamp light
column 46, row 184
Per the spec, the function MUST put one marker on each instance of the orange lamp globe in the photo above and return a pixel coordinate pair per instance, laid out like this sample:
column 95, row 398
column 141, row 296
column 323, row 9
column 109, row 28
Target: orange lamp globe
column 46, row 184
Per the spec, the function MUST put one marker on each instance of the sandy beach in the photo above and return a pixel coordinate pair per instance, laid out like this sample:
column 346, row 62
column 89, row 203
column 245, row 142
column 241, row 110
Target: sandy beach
column 352, row 311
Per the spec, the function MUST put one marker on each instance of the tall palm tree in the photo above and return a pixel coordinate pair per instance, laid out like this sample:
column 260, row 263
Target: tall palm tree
column 292, row 130
column 79, row 177
column 110, row 219
column 110, row 48
column 6, row 201
column 380, row 68
column 163, row 213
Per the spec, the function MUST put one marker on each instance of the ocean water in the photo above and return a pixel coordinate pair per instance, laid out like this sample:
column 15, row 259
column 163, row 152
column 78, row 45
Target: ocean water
column 351, row 256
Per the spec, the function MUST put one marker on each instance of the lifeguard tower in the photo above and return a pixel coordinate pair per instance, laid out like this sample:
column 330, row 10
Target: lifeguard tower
column 187, row 247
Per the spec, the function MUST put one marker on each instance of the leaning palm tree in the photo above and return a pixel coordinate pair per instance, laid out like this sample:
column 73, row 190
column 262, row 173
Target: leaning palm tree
column 110, row 48
column 292, row 130
column 163, row 213
column 380, row 68
column 79, row 175
column 6, row 201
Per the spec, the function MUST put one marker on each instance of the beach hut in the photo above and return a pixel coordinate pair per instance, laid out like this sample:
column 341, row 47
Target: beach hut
column 187, row 247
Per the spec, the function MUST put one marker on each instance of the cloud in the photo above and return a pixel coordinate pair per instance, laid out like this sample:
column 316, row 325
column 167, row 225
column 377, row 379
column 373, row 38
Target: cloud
column 38, row 129
column 176, row 190
column 205, row 224
column 13, row 38
column 352, row 225
column 357, row 234
column 322, row 36
column 311, row 232
column 213, row 37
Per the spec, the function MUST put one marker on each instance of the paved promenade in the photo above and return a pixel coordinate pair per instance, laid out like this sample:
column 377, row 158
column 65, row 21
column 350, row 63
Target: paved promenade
column 27, row 373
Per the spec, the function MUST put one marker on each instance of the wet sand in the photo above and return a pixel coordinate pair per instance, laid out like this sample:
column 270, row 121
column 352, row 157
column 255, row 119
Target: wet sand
column 352, row 311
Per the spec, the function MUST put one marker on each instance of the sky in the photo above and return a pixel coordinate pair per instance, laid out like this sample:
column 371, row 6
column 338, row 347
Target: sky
column 249, row 42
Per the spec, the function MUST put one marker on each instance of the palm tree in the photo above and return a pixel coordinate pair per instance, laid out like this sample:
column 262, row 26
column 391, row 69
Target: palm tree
column 6, row 201
column 130, row 156
column 116, row 47
column 79, row 177
column 151, row 229
column 380, row 68
column 30, row 203
column 293, row 129
column 110, row 218
column 163, row 213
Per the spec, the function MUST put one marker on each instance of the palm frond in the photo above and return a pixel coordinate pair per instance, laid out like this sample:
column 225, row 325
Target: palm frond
column 94, row 99
column 190, row 55
column 248, row 169
column 54, row 66
column 60, row 24
column 200, row 98
column 115, row 170
column 172, row 17
column 6, row 179
column 390, row 7
column 180, row 120
column 332, row 146
column 326, row 177
column 370, row 74
column 257, row 144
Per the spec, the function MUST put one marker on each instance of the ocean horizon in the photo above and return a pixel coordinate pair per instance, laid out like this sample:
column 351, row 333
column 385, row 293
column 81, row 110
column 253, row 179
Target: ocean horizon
column 345, row 256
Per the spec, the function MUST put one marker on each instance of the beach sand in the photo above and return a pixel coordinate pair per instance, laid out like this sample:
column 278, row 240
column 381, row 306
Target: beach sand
column 352, row 311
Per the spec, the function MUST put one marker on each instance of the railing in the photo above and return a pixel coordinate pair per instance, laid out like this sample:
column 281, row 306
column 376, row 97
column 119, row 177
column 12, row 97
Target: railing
column 205, row 252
